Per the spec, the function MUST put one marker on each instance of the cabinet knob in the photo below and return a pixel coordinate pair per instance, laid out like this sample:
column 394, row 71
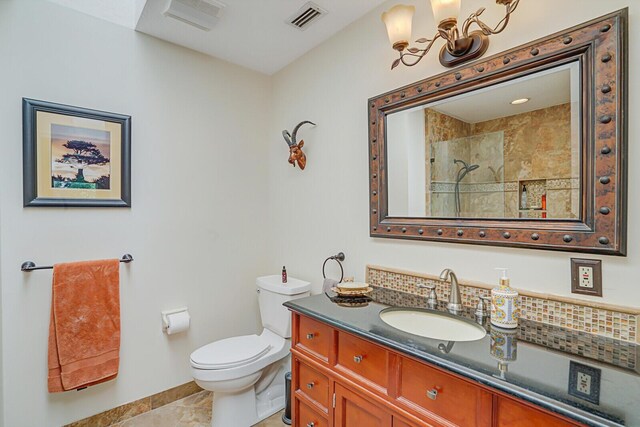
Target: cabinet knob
column 432, row 394
column 311, row 424
column 310, row 336
column 357, row 359
column 310, row 385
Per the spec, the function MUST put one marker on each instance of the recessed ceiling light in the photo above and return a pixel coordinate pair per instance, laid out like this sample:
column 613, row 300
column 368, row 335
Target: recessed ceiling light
column 519, row 101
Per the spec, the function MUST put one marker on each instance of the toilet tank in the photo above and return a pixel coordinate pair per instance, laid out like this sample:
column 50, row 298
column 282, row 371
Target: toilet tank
column 272, row 293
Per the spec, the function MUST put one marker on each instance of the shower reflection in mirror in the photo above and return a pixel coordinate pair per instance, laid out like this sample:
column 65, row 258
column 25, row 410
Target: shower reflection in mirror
column 473, row 155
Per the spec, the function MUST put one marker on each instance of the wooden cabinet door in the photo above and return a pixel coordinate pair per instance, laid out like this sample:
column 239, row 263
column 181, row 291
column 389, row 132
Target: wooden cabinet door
column 352, row 410
column 400, row 423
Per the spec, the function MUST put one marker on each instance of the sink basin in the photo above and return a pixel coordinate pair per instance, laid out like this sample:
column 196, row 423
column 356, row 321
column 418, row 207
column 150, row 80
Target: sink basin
column 432, row 324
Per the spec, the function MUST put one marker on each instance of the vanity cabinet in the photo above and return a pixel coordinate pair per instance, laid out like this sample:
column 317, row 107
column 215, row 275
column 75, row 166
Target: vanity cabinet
column 342, row 380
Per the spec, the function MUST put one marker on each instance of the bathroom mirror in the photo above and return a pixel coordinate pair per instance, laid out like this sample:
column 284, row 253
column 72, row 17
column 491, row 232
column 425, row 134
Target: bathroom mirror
column 526, row 148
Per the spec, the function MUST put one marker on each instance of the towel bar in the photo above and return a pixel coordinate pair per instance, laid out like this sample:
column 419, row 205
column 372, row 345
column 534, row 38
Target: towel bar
column 30, row 265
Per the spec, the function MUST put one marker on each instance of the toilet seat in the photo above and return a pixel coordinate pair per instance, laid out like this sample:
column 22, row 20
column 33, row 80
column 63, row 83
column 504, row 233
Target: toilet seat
column 278, row 349
column 230, row 352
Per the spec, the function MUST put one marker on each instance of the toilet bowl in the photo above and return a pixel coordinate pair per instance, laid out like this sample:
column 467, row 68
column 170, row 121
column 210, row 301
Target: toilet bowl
column 246, row 373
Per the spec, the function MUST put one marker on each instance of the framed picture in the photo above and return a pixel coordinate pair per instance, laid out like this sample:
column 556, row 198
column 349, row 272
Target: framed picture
column 75, row 156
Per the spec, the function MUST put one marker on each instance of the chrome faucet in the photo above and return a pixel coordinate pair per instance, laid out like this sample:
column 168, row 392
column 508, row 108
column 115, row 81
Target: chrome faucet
column 454, row 304
column 432, row 298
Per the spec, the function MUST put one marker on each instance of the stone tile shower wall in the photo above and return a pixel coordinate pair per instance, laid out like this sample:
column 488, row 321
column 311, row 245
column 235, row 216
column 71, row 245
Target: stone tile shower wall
column 503, row 172
column 485, row 150
column 438, row 128
column 618, row 323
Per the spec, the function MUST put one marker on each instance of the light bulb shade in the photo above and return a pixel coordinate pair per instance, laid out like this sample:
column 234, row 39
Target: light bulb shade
column 398, row 20
column 445, row 9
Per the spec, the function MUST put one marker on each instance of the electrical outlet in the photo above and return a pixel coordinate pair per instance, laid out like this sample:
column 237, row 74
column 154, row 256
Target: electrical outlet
column 585, row 279
column 584, row 382
column 586, row 276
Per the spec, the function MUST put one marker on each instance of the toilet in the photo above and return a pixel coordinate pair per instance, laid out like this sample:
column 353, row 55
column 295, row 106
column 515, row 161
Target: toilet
column 246, row 373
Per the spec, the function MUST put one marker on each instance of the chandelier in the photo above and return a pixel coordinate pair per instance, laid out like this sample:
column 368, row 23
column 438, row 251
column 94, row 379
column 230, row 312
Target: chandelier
column 460, row 46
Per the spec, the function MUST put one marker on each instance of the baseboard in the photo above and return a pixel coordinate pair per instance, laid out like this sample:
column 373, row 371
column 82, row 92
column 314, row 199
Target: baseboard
column 137, row 407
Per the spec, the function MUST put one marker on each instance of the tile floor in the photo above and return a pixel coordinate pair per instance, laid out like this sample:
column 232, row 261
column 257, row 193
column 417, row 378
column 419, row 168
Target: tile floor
column 192, row 411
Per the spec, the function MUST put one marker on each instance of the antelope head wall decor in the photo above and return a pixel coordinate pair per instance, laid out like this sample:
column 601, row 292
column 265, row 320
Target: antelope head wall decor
column 295, row 148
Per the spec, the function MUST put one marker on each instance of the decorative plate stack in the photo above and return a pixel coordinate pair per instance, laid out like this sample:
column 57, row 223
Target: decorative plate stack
column 352, row 289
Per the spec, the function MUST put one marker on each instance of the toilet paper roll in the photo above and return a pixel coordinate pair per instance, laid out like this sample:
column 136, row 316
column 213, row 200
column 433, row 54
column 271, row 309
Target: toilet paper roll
column 178, row 322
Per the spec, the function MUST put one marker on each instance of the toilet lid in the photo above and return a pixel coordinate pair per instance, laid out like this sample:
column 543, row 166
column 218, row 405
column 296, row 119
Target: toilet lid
column 229, row 352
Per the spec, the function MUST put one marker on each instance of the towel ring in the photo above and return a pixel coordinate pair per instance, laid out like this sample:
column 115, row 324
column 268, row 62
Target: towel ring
column 337, row 258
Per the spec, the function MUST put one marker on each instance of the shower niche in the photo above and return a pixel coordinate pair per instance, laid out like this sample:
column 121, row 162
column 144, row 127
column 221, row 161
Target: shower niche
column 525, row 148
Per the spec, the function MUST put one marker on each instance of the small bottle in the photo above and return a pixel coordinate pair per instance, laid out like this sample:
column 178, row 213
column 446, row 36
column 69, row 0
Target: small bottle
column 505, row 310
column 543, row 202
column 523, row 197
column 284, row 274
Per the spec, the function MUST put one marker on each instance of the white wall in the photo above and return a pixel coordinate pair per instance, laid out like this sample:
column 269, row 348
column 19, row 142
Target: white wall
column 196, row 228
column 211, row 186
column 325, row 208
column 1, row 323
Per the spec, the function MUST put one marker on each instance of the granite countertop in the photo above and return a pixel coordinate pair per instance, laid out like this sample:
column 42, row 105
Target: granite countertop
column 532, row 362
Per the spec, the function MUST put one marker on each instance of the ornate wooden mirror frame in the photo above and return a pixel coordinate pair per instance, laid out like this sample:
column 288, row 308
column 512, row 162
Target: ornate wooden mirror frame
column 600, row 47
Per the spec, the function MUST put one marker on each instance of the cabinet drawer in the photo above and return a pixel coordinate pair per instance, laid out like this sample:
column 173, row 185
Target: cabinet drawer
column 313, row 384
column 307, row 417
column 444, row 395
column 513, row 414
column 363, row 359
column 314, row 337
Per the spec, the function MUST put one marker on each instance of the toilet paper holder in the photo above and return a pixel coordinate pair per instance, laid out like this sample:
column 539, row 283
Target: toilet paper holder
column 165, row 316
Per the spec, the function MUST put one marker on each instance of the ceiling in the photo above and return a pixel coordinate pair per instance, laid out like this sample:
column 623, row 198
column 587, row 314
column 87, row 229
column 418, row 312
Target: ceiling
column 254, row 33
column 544, row 89
column 121, row 12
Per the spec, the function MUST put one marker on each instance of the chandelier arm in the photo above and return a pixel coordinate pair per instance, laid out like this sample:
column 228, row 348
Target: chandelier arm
column 450, row 36
column 486, row 30
column 417, row 55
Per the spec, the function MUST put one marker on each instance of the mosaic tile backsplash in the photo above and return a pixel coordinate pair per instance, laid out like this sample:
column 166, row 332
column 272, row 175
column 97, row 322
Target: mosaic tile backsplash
column 603, row 322
column 614, row 352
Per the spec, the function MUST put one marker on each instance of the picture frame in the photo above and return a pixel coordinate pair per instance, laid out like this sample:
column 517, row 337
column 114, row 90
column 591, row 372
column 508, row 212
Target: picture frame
column 75, row 156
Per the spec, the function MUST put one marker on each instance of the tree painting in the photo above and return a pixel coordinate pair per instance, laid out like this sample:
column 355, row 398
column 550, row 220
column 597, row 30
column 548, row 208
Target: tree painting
column 80, row 158
column 82, row 154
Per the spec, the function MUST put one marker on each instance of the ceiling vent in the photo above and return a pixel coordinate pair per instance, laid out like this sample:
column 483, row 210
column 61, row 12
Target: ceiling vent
column 306, row 15
column 202, row 14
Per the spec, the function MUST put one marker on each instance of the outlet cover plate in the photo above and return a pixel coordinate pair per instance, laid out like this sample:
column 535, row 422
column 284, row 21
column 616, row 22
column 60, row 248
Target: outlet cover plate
column 584, row 382
column 596, row 267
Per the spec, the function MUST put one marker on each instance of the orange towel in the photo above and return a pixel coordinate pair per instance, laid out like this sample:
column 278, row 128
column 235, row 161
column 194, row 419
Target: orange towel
column 84, row 331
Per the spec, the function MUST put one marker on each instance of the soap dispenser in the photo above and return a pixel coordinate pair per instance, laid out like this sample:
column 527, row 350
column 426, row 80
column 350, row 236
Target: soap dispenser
column 504, row 304
column 523, row 198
